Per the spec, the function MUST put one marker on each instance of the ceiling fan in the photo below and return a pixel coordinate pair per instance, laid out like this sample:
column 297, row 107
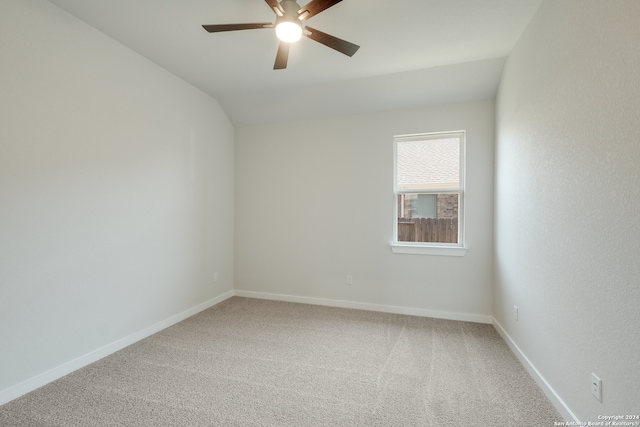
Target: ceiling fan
column 289, row 28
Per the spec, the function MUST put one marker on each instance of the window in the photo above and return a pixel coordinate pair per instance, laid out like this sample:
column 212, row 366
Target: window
column 429, row 193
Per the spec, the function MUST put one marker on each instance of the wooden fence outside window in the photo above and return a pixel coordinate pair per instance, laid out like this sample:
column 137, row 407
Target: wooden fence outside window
column 434, row 230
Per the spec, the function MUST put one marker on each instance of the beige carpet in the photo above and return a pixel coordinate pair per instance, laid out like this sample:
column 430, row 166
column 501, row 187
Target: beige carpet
column 248, row 362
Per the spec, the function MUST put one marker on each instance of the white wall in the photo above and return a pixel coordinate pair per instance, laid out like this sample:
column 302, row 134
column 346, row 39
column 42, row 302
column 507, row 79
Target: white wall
column 116, row 192
column 314, row 202
column 567, row 201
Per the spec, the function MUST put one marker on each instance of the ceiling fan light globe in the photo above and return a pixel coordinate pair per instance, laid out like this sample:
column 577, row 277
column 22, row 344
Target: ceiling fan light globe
column 288, row 31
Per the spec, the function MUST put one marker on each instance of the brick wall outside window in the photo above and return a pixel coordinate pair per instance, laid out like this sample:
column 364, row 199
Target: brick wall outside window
column 447, row 206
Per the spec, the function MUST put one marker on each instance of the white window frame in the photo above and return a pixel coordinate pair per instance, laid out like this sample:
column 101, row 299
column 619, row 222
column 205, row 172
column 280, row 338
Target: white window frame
column 431, row 248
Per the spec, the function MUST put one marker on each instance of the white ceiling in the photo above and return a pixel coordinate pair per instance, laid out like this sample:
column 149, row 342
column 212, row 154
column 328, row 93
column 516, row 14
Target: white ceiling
column 413, row 53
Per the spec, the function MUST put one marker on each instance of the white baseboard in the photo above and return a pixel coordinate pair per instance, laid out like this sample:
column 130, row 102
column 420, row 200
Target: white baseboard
column 477, row 318
column 546, row 388
column 38, row 381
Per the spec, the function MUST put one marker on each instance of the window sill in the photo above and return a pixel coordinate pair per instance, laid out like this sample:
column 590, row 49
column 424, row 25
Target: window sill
column 398, row 248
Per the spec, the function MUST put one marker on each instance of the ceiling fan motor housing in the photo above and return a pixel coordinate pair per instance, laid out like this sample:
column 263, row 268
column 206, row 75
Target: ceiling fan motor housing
column 290, row 8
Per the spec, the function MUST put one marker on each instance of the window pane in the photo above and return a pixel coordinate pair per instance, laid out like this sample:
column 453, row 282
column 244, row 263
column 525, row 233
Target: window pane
column 428, row 217
column 428, row 164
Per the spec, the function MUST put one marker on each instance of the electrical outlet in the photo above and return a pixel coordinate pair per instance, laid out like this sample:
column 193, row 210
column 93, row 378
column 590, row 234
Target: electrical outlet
column 349, row 279
column 596, row 387
column 515, row 312
column 216, row 277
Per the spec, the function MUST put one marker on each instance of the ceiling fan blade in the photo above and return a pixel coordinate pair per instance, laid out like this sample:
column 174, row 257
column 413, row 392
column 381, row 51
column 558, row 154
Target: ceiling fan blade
column 314, row 7
column 275, row 6
column 234, row 27
column 282, row 56
column 340, row 45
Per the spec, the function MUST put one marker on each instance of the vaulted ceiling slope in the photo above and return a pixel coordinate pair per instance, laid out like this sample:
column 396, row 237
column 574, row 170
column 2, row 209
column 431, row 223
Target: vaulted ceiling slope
column 413, row 53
